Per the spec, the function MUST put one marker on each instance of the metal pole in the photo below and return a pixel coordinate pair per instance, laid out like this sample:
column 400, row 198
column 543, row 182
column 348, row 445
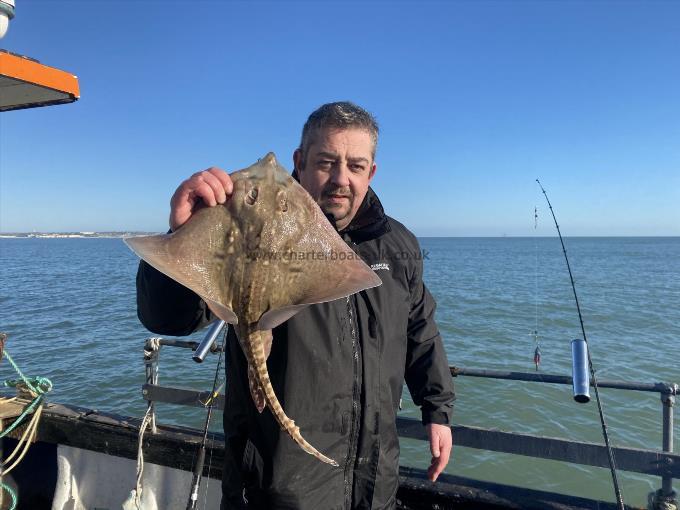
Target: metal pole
column 207, row 343
column 667, row 400
column 561, row 379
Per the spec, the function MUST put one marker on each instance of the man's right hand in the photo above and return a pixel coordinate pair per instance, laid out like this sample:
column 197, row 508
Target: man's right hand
column 207, row 188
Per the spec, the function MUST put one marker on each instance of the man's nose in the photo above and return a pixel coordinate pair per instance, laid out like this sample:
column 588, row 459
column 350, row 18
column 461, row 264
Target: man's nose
column 340, row 175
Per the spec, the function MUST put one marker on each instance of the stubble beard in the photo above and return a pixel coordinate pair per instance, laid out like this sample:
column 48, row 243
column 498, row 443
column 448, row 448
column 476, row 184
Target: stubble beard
column 339, row 211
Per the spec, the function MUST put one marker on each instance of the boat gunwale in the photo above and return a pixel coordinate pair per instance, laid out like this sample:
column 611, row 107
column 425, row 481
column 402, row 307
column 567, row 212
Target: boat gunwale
column 175, row 447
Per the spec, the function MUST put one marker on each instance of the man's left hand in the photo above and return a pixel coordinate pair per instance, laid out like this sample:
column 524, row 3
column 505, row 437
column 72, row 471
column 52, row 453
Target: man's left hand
column 441, row 443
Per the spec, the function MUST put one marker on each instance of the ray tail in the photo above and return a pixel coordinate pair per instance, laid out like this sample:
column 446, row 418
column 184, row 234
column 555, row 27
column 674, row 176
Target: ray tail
column 257, row 360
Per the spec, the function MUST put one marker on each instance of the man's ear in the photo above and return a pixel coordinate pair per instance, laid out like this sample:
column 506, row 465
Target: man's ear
column 297, row 160
column 374, row 167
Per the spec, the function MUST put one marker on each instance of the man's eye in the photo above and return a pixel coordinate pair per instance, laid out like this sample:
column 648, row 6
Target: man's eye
column 356, row 168
column 324, row 164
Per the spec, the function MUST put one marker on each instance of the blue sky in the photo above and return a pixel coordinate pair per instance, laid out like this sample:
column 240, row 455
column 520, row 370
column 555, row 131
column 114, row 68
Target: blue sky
column 475, row 100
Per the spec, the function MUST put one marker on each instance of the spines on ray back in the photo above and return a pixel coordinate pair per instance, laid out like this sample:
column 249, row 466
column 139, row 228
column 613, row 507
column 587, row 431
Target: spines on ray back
column 256, row 359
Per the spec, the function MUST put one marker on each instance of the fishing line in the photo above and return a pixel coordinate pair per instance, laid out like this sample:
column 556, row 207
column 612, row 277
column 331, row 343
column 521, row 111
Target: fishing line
column 207, row 484
column 605, row 433
column 200, row 462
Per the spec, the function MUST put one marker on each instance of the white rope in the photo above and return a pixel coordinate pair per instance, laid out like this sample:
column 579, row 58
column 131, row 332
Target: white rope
column 134, row 499
column 152, row 344
column 133, row 502
column 24, row 443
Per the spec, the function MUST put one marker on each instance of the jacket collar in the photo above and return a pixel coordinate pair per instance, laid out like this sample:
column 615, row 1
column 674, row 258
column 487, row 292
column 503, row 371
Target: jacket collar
column 370, row 221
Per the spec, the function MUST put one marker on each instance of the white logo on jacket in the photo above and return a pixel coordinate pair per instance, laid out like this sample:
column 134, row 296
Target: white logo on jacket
column 380, row 266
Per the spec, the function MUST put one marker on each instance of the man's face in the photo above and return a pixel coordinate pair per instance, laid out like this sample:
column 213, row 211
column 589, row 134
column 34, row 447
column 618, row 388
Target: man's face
column 338, row 169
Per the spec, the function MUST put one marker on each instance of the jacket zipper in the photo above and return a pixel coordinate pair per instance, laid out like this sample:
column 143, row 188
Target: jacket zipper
column 356, row 396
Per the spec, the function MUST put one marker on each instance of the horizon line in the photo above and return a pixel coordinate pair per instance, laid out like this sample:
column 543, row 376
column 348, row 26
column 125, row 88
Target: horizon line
column 94, row 233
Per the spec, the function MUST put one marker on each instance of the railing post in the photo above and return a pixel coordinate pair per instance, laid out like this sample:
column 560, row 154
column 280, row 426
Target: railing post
column 151, row 351
column 664, row 499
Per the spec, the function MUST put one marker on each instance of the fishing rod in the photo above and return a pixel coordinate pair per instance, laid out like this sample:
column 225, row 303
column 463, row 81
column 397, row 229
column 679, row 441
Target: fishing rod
column 210, row 337
column 605, row 433
column 534, row 333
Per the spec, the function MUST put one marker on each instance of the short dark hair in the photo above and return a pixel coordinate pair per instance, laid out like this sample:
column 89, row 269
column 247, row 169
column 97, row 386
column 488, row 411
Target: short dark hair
column 341, row 114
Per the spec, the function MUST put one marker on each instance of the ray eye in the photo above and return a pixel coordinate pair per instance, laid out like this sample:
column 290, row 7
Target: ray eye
column 283, row 201
column 251, row 197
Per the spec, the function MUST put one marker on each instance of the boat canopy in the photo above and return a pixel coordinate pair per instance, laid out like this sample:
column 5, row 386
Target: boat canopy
column 26, row 83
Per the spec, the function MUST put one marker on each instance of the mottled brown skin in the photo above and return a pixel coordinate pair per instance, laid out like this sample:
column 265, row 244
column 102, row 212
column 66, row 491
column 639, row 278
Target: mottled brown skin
column 234, row 257
column 261, row 289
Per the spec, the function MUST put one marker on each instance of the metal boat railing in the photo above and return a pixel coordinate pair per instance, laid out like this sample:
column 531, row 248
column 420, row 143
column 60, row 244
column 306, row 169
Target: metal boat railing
column 663, row 463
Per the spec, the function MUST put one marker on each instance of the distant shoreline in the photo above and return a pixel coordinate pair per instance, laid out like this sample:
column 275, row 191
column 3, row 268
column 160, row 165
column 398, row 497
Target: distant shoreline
column 71, row 235
column 118, row 235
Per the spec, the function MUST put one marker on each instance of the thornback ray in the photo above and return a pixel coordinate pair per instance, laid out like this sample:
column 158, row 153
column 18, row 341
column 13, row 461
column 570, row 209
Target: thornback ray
column 256, row 261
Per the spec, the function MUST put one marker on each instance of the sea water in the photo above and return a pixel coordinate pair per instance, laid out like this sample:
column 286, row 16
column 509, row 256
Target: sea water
column 68, row 306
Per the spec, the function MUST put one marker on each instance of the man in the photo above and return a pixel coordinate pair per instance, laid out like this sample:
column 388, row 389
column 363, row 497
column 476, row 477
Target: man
column 337, row 367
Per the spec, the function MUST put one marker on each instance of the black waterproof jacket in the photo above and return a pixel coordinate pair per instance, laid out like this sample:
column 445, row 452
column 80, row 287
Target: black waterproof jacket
column 337, row 368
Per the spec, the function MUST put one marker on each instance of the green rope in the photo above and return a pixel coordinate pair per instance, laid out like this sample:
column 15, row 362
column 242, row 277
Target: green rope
column 11, row 493
column 37, row 385
column 23, row 377
column 29, row 408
